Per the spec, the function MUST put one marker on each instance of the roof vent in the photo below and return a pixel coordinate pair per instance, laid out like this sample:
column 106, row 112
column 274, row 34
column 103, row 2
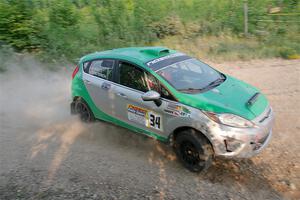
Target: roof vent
column 156, row 51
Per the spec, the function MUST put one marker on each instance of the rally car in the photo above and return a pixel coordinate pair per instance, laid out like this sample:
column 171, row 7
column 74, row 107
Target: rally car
column 174, row 98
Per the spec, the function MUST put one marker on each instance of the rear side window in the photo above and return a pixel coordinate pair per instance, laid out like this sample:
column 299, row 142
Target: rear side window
column 101, row 68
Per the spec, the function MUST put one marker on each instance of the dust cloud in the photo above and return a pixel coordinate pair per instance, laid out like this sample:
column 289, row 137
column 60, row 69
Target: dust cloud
column 31, row 94
column 35, row 104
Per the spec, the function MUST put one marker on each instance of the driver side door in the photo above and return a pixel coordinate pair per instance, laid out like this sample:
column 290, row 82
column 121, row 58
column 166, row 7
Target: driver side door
column 132, row 83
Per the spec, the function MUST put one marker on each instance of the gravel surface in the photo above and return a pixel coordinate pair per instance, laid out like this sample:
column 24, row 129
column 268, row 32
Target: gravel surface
column 47, row 154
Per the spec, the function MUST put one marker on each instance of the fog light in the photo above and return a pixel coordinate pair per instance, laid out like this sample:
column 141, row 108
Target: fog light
column 231, row 145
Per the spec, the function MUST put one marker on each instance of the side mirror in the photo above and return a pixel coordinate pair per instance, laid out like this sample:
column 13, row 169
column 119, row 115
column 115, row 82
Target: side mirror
column 152, row 96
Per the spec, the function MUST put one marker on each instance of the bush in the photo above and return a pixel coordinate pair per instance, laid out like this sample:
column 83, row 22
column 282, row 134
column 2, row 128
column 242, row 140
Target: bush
column 168, row 27
column 287, row 52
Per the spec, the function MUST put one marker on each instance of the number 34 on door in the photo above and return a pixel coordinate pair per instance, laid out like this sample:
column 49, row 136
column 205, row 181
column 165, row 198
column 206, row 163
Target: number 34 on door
column 154, row 120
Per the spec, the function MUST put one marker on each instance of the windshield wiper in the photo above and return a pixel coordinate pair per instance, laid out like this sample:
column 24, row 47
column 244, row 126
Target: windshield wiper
column 190, row 90
column 216, row 82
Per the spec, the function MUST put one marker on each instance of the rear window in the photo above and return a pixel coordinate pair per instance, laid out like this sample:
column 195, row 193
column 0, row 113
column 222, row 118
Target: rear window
column 85, row 66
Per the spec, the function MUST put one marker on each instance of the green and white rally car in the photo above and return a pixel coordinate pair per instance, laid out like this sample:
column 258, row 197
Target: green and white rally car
column 173, row 98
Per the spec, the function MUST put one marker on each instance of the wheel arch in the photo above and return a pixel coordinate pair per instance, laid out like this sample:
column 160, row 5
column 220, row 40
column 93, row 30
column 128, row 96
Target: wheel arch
column 176, row 132
column 76, row 98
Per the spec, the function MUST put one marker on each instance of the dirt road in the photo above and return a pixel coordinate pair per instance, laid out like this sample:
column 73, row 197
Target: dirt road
column 47, row 154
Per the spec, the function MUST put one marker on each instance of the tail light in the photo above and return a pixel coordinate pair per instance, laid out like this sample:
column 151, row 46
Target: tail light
column 75, row 71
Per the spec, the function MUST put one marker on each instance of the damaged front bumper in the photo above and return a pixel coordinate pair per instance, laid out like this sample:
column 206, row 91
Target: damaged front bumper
column 243, row 142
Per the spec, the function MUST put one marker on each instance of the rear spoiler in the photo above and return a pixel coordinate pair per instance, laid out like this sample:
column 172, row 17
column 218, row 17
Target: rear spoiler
column 252, row 99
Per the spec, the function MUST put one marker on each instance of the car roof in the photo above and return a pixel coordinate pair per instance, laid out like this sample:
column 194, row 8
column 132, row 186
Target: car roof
column 132, row 54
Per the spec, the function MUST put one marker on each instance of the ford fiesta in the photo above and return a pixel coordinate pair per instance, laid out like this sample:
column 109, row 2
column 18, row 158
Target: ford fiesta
column 173, row 98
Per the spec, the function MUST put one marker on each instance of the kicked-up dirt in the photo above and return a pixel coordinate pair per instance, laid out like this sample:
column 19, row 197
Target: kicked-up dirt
column 45, row 153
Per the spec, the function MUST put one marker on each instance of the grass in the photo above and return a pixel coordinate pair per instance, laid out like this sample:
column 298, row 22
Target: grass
column 229, row 47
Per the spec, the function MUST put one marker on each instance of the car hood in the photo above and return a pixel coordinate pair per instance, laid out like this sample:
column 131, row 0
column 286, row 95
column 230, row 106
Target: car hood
column 231, row 96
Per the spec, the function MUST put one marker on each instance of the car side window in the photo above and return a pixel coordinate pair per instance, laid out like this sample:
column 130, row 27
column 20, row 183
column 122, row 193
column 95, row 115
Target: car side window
column 102, row 69
column 136, row 78
column 154, row 84
column 132, row 76
column 85, row 67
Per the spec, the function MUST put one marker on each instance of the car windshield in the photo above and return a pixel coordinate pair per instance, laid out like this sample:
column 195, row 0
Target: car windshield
column 191, row 76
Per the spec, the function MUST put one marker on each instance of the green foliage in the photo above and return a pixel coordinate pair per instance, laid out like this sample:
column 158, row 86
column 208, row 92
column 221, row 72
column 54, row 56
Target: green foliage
column 16, row 26
column 67, row 29
column 62, row 30
column 286, row 52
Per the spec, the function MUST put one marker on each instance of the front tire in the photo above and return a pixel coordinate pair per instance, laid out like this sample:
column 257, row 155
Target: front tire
column 85, row 113
column 193, row 150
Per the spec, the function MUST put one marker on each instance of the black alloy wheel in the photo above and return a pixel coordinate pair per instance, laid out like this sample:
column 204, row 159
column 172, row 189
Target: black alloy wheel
column 193, row 150
column 84, row 111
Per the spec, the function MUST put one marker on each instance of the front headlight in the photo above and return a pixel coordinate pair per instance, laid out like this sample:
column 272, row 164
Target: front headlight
column 229, row 119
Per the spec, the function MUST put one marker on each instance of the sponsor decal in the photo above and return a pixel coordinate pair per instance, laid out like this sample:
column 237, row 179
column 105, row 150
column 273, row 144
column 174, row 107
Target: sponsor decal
column 164, row 58
column 172, row 112
column 137, row 114
column 144, row 117
column 177, row 110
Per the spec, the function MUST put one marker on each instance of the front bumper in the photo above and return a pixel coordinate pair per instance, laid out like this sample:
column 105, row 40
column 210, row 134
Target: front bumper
column 243, row 142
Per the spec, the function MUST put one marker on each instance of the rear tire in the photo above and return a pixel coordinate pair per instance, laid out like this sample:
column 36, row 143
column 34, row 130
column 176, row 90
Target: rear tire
column 193, row 150
column 85, row 113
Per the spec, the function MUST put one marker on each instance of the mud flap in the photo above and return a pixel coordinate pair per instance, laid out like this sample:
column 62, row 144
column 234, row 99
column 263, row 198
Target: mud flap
column 72, row 106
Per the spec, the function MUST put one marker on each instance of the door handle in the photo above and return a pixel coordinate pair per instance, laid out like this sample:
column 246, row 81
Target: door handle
column 105, row 86
column 122, row 95
column 87, row 82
